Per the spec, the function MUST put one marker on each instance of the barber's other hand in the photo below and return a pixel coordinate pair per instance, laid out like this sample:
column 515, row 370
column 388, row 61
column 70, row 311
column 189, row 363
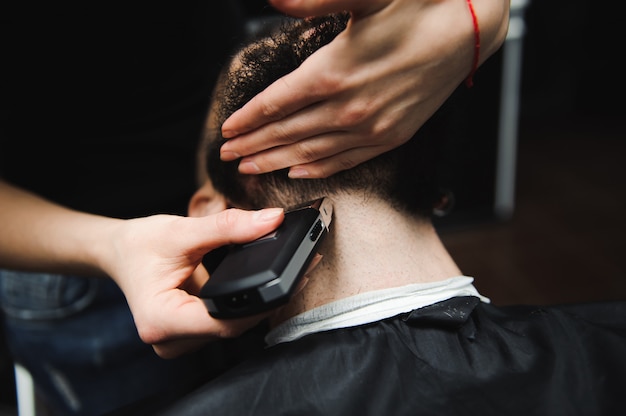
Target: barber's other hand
column 366, row 92
column 155, row 256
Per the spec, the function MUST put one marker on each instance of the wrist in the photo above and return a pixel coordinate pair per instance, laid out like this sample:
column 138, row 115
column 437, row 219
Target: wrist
column 102, row 250
column 493, row 20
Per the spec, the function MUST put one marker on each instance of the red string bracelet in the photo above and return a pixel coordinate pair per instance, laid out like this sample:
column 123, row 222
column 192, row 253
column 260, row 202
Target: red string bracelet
column 469, row 81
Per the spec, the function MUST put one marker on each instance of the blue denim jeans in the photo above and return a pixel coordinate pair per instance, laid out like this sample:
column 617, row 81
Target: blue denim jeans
column 77, row 338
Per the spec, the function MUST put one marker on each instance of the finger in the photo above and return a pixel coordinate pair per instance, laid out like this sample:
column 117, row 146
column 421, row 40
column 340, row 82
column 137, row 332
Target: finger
column 228, row 227
column 282, row 98
column 181, row 315
column 311, row 121
column 176, row 348
column 305, row 8
column 299, row 153
column 194, row 327
column 337, row 163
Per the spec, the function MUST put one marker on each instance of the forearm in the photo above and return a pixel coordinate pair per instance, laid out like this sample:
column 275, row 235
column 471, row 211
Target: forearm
column 38, row 235
column 438, row 34
column 492, row 15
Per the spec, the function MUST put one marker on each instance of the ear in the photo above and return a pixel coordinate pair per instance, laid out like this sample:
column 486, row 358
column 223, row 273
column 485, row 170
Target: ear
column 205, row 201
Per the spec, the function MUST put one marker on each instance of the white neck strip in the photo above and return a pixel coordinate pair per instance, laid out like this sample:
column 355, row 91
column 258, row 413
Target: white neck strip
column 370, row 307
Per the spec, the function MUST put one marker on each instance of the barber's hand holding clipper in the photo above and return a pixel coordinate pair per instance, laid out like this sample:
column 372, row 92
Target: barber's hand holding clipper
column 155, row 260
column 156, row 280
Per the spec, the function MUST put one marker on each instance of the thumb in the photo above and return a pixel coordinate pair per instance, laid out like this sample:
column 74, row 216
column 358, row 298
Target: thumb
column 233, row 226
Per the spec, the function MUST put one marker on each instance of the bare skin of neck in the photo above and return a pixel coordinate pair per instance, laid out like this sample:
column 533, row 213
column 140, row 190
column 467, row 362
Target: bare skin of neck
column 370, row 246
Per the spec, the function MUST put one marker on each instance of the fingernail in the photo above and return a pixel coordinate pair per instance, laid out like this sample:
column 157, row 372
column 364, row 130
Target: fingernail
column 268, row 214
column 296, row 173
column 228, row 134
column 249, row 167
column 227, row 155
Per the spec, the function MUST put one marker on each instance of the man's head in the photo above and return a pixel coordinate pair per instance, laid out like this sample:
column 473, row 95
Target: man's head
column 404, row 177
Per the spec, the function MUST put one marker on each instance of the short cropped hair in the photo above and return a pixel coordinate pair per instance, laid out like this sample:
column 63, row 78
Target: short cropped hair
column 406, row 177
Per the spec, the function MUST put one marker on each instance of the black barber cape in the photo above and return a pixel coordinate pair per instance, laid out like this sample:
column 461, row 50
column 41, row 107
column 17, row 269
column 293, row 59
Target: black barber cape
column 456, row 357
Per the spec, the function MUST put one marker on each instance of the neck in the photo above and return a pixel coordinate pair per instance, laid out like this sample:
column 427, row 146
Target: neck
column 370, row 246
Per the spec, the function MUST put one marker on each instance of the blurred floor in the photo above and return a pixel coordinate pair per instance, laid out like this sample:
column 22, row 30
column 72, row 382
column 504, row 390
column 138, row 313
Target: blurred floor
column 565, row 242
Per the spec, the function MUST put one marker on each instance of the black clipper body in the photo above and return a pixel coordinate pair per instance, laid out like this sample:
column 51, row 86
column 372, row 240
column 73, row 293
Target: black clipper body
column 261, row 275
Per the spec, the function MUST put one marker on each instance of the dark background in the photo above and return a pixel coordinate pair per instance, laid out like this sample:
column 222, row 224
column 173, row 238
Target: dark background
column 565, row 240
